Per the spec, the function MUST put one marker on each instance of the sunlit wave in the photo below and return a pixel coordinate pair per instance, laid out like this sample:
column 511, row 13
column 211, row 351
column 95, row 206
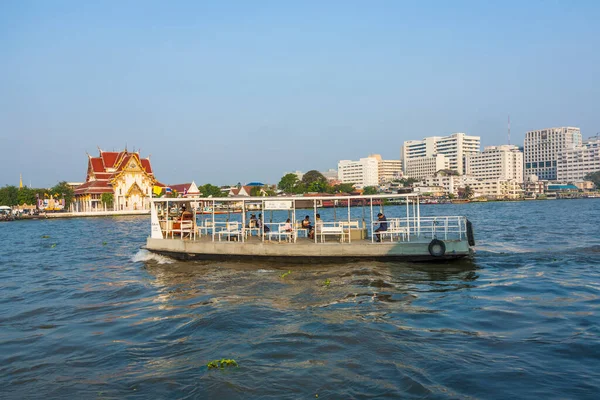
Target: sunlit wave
column 144, row 255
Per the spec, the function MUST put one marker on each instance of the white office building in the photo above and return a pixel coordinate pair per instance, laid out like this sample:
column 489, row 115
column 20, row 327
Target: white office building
column 389, row 170
column 362, row 173
column 543, row 146
column 422, row 167
column 455, row 147
column 496, row 163
column 574, row 164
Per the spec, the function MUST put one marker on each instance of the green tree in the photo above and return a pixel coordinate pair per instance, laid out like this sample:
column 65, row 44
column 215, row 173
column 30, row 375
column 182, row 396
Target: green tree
column 209, row 190
column 288, row 183
column 467, row 192
column 300, row 188
column 317, row 186
column 407, row 182
column 108, row 199
column 370, row 190
column 63, row 190
column 343, row 188
column 9, row 196
column 255, row 191
column 26, row 196
column 313, row 176
column 594, row 177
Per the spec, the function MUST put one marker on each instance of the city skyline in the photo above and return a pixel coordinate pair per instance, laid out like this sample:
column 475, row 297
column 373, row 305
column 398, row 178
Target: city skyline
column 232, row 92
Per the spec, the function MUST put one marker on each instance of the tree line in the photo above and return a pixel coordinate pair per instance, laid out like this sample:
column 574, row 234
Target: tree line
column 314, row 181
column 14, row 196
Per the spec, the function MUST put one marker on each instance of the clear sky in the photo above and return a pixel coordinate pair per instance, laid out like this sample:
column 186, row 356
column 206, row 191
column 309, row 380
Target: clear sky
column 229, row 91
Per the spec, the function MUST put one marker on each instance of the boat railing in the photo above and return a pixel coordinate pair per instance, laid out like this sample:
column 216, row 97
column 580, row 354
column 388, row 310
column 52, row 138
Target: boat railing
column 423, row 228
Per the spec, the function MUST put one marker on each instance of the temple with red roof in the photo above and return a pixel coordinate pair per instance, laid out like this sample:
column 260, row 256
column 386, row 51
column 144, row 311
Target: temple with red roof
column 125, row 175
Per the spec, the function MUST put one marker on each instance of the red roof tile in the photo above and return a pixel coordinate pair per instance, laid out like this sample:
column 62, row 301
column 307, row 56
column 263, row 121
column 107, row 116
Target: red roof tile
column 146, row 165
column 110, row 157
column 97, row 164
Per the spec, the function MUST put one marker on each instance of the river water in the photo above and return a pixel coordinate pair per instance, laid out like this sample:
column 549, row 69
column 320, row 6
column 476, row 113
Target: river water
column 84, row 313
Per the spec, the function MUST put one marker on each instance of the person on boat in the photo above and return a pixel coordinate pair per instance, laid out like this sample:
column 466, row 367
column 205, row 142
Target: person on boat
column 252, row 222
column 287, row 227
column 306, row 224
column 185, row 215
column 382, row 226
column 317, row 227
column 260, row 224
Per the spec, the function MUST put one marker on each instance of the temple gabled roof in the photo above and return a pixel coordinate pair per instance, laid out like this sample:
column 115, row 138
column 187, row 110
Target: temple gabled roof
column 107, row 166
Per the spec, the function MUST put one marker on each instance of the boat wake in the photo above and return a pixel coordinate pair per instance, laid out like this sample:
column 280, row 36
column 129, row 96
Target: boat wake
column 145, row 255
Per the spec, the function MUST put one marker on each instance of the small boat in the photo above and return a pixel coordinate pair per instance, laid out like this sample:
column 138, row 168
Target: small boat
column 343, row 234
column 460, row 201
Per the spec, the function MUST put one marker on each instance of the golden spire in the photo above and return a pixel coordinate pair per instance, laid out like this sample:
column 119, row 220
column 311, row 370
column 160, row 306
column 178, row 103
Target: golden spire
column 20, row 181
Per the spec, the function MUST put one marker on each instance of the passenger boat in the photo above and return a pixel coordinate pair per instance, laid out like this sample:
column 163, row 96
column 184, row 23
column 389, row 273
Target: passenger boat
column 342, row 233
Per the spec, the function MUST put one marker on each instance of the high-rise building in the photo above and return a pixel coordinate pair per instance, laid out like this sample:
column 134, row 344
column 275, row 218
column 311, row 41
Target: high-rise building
column 542, row 148
column 574, row 164
column 496, row 163
column 422, row 167
column 455, row 147
column 362, row 173
column 389, row 170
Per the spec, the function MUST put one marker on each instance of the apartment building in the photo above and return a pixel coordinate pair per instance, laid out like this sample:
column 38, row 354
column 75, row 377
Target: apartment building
column 362, row 173
column 422, row 167
column 543, row 146
column 574, row 164
column 455, row 147
column 496, row 163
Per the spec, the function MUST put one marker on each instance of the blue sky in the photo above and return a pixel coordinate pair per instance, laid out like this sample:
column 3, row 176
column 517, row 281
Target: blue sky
column 229, row 91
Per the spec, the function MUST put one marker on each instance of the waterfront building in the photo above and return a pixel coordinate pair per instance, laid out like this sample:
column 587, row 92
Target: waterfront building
column 422, row 167
column 573, row 164
column 498, row 189
column 533, row 186
column 496, row 163
column 362, row 173
column 455, row 147
column 543, row 146
column 450, row 183
column 388, row 170
column 125, row 175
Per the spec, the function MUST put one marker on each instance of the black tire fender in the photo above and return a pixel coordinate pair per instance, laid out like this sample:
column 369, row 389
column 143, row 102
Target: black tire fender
column 470, row 234
column 437, row 248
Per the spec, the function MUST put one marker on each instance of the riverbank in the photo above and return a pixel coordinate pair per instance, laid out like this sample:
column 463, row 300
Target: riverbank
column 84, row 214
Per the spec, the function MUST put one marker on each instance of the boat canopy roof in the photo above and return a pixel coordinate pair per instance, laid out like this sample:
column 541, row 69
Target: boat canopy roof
column 258, row 199
column 5, row 208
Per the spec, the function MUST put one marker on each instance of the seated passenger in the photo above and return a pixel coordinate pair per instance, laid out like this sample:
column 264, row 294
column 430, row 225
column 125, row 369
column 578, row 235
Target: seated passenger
column 306, row 224
column 382, row 227
column 287, row 227
column 185, row 215
column 317, row 227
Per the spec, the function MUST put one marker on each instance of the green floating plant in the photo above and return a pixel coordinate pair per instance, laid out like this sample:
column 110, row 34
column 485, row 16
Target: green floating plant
column 222, row 363
column 104, row 243
column 46, row 237
column 53, row 245
column 326, row 282
column 286, row 274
